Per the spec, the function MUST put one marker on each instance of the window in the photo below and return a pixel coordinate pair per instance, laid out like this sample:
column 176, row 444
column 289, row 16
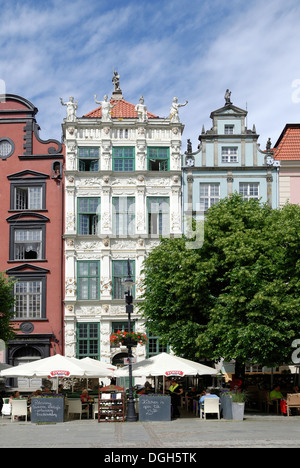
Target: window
column 27, row 242
column 28, row 198
column 123, row 158
column 120, row 272
column 88, row 159
column 249, row 190
column 158, row 215
column 154, row 346
column 88, row 340
column 88, row 283
column 209, row 195
column 228, row 129
column 29, row 299
column 229, row 154
column 88, row 216
column 7, row 148
column 123, row 133
column 123, row 216
column 158, row 159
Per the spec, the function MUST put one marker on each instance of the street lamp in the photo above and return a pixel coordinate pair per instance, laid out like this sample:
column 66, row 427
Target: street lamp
column 128, row 284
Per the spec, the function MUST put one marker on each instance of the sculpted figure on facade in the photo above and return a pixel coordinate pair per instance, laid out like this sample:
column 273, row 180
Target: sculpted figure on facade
column 71, row 108
column 174, row 113
column 106, row 108
column 141, row 110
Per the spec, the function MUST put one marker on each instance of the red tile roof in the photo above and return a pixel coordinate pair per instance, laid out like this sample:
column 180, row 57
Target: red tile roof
column 122, row 110
column 288, row 144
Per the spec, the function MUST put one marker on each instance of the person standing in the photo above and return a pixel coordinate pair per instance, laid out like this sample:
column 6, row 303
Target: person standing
column 175, row 391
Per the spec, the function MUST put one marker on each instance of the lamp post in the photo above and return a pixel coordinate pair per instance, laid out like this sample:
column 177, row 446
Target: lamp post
column 128, row 283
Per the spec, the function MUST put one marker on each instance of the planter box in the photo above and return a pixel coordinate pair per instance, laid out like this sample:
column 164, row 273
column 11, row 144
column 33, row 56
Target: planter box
column 226, row 406
column 238, row 410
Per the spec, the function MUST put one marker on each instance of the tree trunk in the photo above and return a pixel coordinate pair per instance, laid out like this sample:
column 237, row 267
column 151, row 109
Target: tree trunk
column 240, row 371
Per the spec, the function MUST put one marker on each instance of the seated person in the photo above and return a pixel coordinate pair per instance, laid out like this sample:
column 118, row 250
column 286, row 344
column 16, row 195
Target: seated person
column 276, row 394
column 149, row 388
column 15, row 396
column 86, row 400
column 206, row 394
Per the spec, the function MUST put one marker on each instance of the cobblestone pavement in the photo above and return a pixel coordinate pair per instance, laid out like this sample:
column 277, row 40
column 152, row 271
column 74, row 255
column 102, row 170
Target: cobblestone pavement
column 256, row 431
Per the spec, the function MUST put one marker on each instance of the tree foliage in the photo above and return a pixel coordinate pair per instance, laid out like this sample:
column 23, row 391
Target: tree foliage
column 6, row 306
column 237, row 296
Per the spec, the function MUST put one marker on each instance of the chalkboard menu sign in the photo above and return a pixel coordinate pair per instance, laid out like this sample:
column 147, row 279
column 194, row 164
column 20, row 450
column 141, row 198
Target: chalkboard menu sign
column 47, row 409
column 155, row 408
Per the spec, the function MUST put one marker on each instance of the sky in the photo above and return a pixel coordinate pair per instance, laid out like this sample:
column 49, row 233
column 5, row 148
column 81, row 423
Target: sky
column 190, row 49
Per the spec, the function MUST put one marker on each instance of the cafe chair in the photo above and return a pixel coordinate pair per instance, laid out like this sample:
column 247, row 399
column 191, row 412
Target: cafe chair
column 293, row 401
column 210, row 406
column 6, row 407
column 18, row 408
column 95, row 408
column 75, row 407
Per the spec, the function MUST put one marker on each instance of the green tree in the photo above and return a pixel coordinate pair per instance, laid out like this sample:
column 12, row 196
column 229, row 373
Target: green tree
column 6, row 308
column 237, row 296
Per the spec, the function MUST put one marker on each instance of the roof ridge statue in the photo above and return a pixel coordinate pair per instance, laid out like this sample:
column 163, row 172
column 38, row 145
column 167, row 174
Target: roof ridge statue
column 174, row 114
column 141, row 110
column 106, row 107
column 227, row 97
column 71, row 108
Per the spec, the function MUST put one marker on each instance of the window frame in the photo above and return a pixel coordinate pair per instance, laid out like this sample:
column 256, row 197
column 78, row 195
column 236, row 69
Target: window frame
column 26, row 226
column 123, row 158
column 160, row 348
column 89, row 339
column 27, row 184
column 248, row 196
column 228, row 129
column 88, row 277
column 229, row 157
column 158, row 158
column 7, row 140
column 90, row 214
column 122, row 277
column 88, row 158
column 30, row 278
column 163, row 231
column 209, row 197
column 123, row 220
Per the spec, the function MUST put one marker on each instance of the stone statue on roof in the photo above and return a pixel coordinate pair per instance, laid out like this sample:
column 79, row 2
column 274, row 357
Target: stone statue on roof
column 141, row 110
column 227, row 97
column 106, row 108
column 116, row 82
column 71, row 108
column 174, row 114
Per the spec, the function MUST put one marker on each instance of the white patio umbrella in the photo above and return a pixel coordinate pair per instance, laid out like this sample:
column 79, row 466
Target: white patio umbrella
column 166, row 365
column 100, row 364
column 53, row 366
column 93, row 368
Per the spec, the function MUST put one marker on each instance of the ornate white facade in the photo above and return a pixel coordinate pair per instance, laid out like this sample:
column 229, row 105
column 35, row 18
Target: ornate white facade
column 122, row 191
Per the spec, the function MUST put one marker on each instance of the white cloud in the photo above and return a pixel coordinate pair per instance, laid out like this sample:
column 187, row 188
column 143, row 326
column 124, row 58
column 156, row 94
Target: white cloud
column 193, row 50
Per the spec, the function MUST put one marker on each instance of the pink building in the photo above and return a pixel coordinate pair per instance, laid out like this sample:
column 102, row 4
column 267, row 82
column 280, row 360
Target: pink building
column 287, row 151
column 31, row 214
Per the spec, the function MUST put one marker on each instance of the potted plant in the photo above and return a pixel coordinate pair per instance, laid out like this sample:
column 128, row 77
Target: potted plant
column 123, row 337
column 238, row 405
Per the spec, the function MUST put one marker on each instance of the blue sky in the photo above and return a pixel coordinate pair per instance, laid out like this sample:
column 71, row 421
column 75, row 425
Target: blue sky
column 192, row 49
